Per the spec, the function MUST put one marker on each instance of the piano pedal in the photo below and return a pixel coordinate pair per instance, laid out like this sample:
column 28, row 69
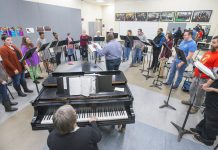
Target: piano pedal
column 121, row 128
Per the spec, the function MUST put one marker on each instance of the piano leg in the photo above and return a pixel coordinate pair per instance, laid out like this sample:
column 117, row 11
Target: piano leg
column 122, row 128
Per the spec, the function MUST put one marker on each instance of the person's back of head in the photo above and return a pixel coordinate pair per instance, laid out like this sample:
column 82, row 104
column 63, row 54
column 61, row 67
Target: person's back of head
column 110, row 37
column 65, row 119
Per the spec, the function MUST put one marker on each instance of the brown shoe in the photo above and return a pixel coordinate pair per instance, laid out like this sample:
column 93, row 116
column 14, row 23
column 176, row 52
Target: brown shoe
column 194, row 110
column 186, row 102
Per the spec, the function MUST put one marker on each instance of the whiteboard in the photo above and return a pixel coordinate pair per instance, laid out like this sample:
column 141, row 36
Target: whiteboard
column 149, row 28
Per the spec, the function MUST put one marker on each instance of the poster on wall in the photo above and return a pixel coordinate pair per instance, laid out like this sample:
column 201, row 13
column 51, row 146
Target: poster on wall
column 130, row 17
column 40, row 29
column 153, row 16
column 120, row 17
column 3, row 30
column 12, row 32
column 183, row 16
column 201, row 15
column 30, row 30
column 141, row 16
column 19, row 31
column 167, row 16
column 47, row 28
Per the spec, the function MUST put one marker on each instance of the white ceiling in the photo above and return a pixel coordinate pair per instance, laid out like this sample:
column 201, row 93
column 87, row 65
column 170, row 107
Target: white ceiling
column 106, row 2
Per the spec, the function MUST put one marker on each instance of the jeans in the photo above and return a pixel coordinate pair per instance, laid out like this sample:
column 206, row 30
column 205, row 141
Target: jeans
column 18, row 79
column 136, row 54
column 126, row 53
column 113, row 64
column 200, row 93
column 3, row 92
column 173, row 73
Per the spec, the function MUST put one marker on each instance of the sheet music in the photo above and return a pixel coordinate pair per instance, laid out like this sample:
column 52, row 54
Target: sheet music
column 65, row 82
column 90, row 46
column 86, row 85
column 75, row 86
column 205, row 70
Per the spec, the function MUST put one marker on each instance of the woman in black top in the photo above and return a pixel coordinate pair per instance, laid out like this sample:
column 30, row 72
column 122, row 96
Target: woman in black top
column 68, row 136
column 207, row 130
column 128, row 45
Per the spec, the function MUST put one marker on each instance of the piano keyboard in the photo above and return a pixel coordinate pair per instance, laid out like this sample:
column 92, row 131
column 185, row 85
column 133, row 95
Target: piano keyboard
column 83, row 115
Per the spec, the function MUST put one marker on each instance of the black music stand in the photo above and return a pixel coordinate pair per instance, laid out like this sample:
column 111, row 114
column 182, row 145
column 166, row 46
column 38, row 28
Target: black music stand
column 28, row 55
column 144, row 54
column 53, row 44
column 41, row 49
column 115, row 34
column 181, row 130
column 158, row 83
column 181, row 56
column 62, row 43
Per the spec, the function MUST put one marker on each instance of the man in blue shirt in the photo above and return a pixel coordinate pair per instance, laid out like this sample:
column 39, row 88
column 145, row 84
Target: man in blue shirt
column 112, row 52
column 188, row 45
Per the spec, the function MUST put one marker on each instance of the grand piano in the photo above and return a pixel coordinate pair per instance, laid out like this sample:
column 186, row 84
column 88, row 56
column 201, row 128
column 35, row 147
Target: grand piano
column 113, row 107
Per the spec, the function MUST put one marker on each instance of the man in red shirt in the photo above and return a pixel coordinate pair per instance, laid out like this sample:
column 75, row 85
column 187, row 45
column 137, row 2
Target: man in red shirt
column 210, row 60
column 84, row 40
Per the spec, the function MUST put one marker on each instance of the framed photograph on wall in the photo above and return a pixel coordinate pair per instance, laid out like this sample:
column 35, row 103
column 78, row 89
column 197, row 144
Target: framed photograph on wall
column 140, row 16
column 183, row 16
column 40, row 29
column 129, row 16
column 120, row 17
column 201, row 15
column 153, row 16
column 167, row 16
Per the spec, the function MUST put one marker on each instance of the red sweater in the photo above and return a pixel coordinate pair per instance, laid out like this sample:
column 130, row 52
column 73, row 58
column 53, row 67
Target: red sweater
column 10, row 60
column 84, row 40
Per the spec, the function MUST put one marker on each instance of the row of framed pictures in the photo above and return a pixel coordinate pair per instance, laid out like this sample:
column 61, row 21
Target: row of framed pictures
column 167, row 16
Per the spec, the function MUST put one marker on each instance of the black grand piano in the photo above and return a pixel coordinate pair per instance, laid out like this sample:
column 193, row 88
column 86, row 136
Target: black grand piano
column 112, row 107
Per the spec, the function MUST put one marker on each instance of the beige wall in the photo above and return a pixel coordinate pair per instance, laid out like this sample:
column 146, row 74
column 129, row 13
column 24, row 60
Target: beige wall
column 170, row 5
column 108, row 17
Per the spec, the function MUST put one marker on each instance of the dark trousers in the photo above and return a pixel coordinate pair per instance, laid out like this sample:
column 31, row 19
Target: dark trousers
column 113, row 64
column 3, row 92
column 84, row 52
column 18, row 79
column 58, row 58
column 208, row 127
column 156, row 53
column 70, row 57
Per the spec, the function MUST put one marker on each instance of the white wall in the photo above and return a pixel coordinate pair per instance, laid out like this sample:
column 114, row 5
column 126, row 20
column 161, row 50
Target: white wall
column 108, row 17
column 64, row 3
column 90, row 13
column 169, row 5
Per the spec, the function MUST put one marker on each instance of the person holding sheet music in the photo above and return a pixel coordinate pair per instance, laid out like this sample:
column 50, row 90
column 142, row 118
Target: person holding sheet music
column 112, row 52
column 138, row 46
column 84, row 40
column 188, row 46
column 4, row 78
column 166, row 53
column 128, row 45
column 45, row 55
column 158, row 40
column 57, row 50
column 210, row 60
column 15, row 69
column 32, row 62
column 70, row 49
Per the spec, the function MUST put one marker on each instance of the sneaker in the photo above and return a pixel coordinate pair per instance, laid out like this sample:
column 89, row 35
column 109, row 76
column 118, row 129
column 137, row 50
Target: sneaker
column 186, row 102
column 70, row 63
column 174, row 87
column 166, row 83
column 194, row 110
column 202, row 140
column 40, row 78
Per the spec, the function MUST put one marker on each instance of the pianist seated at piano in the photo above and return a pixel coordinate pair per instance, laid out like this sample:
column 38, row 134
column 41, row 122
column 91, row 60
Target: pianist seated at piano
column 112, row 52
column 68, row 136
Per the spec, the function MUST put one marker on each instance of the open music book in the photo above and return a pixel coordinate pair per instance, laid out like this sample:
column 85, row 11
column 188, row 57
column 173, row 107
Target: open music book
column 84, row 85
column 206, row 70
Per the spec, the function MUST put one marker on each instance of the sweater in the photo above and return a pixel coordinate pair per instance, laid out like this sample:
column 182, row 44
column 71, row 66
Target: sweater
column 11, row 59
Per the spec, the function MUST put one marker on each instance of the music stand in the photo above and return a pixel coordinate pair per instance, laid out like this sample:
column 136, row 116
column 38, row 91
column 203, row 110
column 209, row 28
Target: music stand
column 181, row 56
column 62, row 43
column 181, row 130
column 28, row 55
column 42, row 48
column 115, row 35
column 53, row 44
column 157, row 83
column 99, row 39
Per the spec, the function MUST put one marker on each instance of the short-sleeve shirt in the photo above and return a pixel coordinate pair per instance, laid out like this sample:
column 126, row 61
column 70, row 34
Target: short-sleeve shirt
column 210, row 60
column 187, row 47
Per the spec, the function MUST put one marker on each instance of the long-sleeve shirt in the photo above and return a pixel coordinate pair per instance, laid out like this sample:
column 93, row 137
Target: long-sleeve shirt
column 111, row 51
column 139, row 44
column 85, row 138
column 159, row 39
